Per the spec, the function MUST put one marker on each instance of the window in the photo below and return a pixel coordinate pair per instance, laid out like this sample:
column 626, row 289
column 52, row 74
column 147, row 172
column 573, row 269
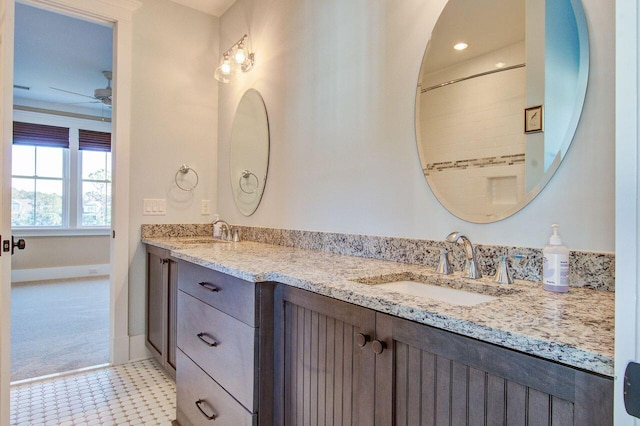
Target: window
column 38, row 196
column 61, row 177
column 37, row 186
column 95, row 160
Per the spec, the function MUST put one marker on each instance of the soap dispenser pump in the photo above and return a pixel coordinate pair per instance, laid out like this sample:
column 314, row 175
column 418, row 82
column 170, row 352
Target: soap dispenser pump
column 555, row 264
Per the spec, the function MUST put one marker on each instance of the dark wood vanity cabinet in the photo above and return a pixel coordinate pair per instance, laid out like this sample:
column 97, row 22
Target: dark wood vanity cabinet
column 341, row 364
column 161, row 307
column 224, row 370
column 322, row 376
column 431, row 376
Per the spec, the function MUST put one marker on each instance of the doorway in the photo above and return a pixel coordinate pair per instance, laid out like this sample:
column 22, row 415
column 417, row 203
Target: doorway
column 61, row 192
column 119, row 13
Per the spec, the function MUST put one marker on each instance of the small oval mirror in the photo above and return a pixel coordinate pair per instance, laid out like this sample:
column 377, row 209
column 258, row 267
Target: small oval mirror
column 249, row 152
column 499, row 98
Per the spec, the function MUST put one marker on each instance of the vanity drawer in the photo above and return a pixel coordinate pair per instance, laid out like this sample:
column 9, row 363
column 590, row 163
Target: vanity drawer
column 231, row 295
column 193, row 386
column 220, row 344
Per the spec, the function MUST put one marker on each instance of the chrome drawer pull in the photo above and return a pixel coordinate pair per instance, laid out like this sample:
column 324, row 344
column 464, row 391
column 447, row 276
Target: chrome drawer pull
column 209, row 286
column 208, row 416
column 209, row 343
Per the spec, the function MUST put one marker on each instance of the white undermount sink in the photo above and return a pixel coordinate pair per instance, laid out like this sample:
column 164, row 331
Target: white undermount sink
column 443, row 294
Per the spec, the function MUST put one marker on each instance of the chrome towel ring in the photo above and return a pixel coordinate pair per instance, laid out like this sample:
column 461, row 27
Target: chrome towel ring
column 183, row 170
column 246, row 174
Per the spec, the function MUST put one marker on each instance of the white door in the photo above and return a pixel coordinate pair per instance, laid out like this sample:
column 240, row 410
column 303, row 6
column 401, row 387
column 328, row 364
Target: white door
column 627, row 202
column 6, row 129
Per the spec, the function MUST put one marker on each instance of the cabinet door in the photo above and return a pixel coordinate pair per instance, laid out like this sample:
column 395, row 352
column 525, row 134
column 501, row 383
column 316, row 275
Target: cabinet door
column 322, row 375
column 156, row 290
column 427, row 376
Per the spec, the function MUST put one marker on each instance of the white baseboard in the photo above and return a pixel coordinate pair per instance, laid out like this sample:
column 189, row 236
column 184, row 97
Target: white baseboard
column 138, row 348
column 64, row 272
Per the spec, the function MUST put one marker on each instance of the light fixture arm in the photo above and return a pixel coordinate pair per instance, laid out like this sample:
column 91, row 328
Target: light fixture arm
column 239, row 42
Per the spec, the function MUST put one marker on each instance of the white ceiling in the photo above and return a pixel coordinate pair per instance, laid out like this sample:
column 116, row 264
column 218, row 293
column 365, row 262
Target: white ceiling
column 485, row 25
column 54, row 50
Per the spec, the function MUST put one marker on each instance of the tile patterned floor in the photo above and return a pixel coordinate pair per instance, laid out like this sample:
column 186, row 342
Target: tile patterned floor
column 138, row 393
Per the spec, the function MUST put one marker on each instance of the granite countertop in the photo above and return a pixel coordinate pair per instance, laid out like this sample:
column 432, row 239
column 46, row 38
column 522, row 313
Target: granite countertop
column 575, row 328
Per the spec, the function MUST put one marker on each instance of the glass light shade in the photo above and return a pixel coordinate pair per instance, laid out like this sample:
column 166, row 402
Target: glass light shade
column 248, row 63
column 240, row 54
column 225, row 67
column 221, row 76
column 225, row 70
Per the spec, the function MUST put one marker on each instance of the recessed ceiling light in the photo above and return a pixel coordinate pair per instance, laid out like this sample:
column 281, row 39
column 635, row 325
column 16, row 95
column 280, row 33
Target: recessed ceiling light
column 461, row 46
column 500, row 65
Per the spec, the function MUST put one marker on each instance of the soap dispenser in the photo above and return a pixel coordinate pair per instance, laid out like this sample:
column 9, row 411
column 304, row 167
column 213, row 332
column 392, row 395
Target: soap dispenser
column 555, row 264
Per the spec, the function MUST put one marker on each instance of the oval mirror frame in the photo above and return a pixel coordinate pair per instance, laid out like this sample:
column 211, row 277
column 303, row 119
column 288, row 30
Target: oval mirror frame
column 449, row 189
column 249, row 157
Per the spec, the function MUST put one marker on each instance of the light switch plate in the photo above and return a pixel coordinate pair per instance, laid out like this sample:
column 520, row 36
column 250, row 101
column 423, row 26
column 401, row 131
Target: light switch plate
column 154, row 207
column 205, row 207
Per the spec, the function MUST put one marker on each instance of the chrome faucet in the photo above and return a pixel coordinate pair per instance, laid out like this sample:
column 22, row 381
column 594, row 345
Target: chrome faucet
column 226, row 229
column 471, row 269
column 444, row 266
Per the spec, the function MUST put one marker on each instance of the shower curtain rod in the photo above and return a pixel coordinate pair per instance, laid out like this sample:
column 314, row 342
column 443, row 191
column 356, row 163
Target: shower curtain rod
column 458, row 80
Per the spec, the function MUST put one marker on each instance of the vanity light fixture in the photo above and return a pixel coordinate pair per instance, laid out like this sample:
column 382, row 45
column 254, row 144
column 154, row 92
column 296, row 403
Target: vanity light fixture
column 460, row 46
column 236, row 59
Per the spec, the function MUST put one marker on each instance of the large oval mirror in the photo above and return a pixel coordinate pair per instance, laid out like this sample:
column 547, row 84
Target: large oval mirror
column 249, row 152
column 499, row 98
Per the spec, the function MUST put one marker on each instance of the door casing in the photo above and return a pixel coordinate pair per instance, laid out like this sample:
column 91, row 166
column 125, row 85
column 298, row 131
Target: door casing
column 119, row 13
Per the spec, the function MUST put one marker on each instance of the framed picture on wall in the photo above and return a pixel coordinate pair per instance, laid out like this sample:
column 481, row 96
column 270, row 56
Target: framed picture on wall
column 533, row 119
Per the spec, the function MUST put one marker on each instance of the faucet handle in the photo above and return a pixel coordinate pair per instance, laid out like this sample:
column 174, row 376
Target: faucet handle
column 503, row 274
column 444, row 266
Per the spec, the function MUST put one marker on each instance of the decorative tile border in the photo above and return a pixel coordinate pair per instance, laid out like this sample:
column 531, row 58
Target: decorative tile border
column 474, row 163
column 588, row 269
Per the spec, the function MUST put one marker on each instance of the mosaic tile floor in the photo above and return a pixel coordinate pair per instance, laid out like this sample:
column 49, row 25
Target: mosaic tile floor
column 138, row 393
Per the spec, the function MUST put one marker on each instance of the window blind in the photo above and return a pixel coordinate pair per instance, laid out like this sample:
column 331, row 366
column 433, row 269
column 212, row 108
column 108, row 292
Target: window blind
column 40, row 135
column 94, row 141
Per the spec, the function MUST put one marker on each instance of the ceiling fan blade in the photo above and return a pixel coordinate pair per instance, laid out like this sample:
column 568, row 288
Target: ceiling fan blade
column 73, row 93
column 77, row 103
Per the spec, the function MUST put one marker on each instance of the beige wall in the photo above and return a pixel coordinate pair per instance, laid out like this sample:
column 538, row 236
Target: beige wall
column 174, row 121
column 55, row 252
column 339, row 77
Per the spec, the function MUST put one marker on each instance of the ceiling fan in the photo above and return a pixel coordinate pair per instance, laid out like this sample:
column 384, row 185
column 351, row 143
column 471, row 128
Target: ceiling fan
column 99, row 95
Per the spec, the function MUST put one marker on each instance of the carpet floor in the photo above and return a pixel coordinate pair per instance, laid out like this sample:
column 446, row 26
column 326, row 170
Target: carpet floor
column 58, row 326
